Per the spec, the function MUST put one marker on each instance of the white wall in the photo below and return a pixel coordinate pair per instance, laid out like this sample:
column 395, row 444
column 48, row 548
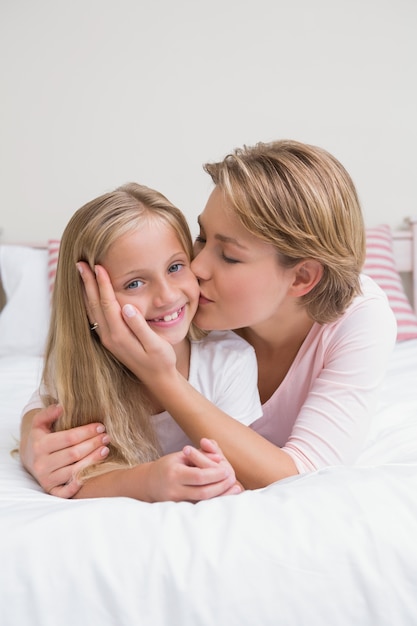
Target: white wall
column 95, row 93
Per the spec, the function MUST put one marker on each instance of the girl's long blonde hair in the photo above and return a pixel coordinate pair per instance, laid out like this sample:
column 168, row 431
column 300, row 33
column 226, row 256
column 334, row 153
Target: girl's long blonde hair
column 79, row 373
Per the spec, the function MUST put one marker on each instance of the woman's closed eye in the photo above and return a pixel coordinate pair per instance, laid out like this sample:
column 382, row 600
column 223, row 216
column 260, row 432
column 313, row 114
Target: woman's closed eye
column 228, row 259
column 200, row 241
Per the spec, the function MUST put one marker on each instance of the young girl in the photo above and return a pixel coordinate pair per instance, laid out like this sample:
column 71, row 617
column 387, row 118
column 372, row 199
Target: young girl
column 279, row 259
column 144, row 243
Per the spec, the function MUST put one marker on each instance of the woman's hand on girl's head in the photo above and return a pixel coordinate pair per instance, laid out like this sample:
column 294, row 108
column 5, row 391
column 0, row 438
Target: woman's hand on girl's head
column 125, row 334
column 156, row 356
column 103, row 310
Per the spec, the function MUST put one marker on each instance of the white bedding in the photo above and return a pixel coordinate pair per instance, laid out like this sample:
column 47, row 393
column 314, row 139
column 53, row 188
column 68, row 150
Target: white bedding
column 333, row 548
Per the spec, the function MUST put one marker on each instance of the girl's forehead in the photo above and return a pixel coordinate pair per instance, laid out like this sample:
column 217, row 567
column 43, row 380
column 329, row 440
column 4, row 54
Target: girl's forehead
column 153, row 226
column 148, row 238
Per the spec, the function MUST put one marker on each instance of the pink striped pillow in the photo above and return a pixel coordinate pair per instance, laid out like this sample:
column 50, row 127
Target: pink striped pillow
column 380, row 265
column 53, row 251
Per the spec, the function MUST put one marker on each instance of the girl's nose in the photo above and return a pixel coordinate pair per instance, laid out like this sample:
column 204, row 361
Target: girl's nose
column 165, row 293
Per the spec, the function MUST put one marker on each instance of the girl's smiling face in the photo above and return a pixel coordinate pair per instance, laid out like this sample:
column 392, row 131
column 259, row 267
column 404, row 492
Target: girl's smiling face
column 242, row 283
column 149, row 268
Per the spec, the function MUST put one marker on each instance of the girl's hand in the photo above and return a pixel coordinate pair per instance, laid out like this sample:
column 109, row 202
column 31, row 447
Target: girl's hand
column 137, row 346
column 213, row 451
column 192, row 475
column 54, row 459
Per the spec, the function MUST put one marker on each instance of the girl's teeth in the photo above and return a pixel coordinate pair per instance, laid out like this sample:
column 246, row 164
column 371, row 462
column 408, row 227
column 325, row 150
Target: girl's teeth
column 169, row 318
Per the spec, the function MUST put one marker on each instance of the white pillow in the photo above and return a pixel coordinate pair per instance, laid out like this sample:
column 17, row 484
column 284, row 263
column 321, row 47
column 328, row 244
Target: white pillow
column 25, row 318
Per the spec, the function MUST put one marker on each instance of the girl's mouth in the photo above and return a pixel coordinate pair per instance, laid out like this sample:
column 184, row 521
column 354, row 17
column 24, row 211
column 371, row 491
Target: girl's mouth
column 170, row 317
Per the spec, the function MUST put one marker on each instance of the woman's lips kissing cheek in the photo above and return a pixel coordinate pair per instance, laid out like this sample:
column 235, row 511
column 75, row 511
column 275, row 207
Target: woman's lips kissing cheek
column 204, row 300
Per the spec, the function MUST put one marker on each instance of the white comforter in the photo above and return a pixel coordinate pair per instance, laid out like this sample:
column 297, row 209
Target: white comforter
column 337, row 547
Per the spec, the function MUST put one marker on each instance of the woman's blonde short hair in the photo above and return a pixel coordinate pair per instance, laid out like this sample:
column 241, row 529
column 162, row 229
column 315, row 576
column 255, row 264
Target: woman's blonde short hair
column 300, row 199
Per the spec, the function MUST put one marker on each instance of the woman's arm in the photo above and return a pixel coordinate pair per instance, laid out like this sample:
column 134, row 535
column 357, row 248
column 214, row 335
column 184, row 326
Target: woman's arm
column 256, row 461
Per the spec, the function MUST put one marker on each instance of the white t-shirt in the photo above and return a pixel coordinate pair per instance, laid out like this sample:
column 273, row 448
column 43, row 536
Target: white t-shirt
column 223, row 368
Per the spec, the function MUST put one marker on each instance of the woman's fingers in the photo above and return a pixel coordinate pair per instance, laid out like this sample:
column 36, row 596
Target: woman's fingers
column 125, row 333
column 101, row 304
column 91, row 294
column 154, row 355
column 149, row 340
column 76, row 447
column 104, row 310
column 57, row 473
column 64, row 483
column 72, row 444
column 69, row 490
column 53, row 458
column 45, row 419
column 108, row 303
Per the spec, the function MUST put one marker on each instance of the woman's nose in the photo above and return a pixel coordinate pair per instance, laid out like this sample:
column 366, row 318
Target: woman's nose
column 199, row 265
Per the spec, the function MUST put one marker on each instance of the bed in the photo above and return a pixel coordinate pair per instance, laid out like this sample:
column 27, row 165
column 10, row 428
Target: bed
column 332, row 547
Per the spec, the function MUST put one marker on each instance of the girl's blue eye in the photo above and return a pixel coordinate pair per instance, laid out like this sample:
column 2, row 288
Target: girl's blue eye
column 134, row 284
column 175, row 268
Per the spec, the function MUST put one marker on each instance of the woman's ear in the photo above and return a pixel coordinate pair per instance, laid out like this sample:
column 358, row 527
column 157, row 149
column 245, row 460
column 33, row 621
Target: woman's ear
column 307, row 274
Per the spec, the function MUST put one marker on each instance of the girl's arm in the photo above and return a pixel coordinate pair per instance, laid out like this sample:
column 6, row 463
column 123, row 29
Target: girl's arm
column 256, row 461
column 54, row 460
column 173, row 477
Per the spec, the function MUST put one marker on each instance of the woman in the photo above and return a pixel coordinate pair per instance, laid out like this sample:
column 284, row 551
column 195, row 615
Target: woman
column 278, row 259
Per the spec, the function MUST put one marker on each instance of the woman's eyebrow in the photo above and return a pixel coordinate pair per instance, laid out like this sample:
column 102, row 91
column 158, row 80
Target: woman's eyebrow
column 224, row 238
